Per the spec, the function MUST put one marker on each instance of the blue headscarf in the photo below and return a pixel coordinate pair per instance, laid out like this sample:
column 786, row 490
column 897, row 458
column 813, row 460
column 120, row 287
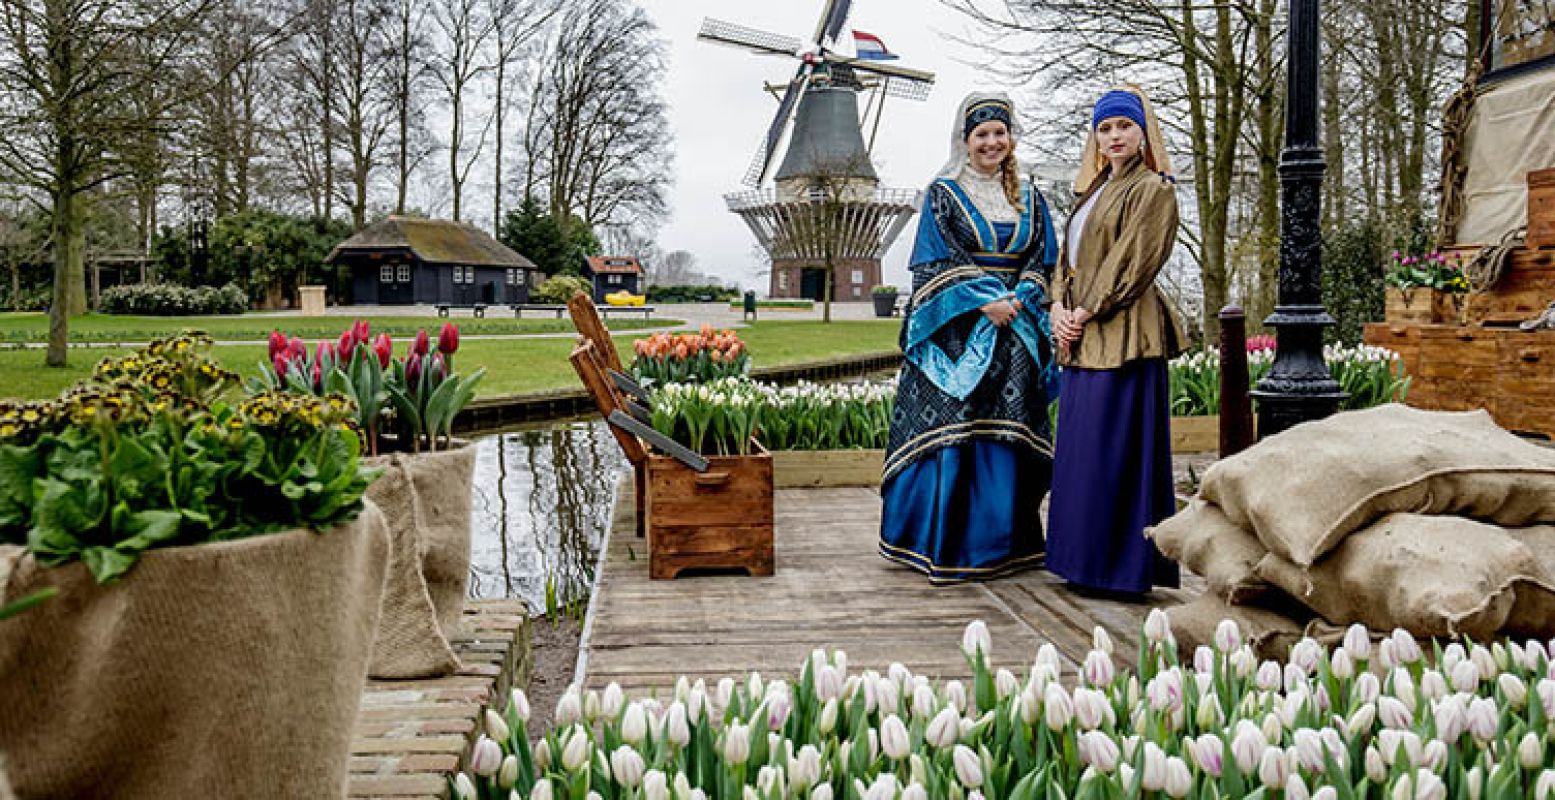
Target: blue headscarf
column 990, row 109
column 1119, row 103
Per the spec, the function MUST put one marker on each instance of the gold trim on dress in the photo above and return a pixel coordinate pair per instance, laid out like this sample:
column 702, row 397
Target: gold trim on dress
column 962, row 431
column 937, row 574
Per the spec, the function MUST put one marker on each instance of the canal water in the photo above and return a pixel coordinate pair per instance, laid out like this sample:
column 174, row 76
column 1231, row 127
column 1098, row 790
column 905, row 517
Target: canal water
column 540, row 509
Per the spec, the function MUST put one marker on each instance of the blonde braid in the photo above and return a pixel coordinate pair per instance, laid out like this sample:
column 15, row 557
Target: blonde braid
column 1010, row 172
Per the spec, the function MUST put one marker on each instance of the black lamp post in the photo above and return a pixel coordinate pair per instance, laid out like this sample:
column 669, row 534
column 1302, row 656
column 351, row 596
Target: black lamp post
column 1299, row 386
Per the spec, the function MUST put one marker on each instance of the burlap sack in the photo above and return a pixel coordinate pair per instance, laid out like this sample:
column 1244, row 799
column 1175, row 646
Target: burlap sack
column 231, row 669
column 1214, row 548
column 1303, row 490
column 410, row 642
column 1534, row 612
column 1430, row 575
column 1270, row 633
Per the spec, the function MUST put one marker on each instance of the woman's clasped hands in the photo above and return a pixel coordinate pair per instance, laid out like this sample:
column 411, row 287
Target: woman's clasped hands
column 1067, row 324
column 1003, row 311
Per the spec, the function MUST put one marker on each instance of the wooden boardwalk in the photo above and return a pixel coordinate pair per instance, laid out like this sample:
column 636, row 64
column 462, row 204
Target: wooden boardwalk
column 832, row 591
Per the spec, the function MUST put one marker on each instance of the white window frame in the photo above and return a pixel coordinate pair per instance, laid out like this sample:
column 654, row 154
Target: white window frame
column 386, row 273
column 402, row 273
column 858, row 278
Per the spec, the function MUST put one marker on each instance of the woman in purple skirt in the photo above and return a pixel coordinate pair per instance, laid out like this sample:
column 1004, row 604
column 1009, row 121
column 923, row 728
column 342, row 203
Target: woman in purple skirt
column 1112, row 474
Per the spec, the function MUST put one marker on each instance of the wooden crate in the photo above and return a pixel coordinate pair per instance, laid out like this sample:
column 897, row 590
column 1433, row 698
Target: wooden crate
column 1420, row 306
column 1525, row 381
column 1541, row 208
column 1401, row 339
column 1527, row 288
column 721, row 518
column 1457, row 369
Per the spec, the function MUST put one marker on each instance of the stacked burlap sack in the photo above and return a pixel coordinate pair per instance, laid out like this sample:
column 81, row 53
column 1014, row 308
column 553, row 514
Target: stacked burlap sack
column 426, row 499
column 1439, row 523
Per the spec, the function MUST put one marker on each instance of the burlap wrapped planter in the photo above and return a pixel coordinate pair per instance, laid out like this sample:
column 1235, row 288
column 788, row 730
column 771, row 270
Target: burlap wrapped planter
column 230, row 669
column 426, row 499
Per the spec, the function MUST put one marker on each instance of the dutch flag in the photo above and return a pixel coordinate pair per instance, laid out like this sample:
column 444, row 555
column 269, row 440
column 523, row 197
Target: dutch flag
column 869, row 46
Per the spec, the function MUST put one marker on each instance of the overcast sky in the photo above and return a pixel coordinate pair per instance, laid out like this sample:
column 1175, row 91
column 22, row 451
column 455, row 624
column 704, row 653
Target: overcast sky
column 719, row 113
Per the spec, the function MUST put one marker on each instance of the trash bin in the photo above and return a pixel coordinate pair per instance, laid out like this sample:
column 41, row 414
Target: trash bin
column 312, row 300
column 750, row 305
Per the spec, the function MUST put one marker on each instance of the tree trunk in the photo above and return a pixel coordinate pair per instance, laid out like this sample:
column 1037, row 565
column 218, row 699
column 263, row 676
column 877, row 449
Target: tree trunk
column 69, row 277
column 1267, row 109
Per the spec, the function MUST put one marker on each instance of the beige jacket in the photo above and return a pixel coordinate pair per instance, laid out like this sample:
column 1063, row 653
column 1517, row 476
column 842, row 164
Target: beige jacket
column 1128, row 238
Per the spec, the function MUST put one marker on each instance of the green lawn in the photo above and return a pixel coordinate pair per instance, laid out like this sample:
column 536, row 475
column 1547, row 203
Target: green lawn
column 34, row 326
column 513, row 366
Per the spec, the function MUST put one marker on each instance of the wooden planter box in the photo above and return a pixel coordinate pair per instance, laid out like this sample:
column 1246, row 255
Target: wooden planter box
column 1195, row 434
column 721, row 518
column 817, row 469
column 1422, row 306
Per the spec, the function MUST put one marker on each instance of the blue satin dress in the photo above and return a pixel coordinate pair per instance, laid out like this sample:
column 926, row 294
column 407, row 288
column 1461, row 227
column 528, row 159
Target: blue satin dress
column 969, row 457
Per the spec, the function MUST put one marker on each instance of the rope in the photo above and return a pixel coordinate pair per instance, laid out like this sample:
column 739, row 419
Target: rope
column 1489, row 266
column 1455, row 125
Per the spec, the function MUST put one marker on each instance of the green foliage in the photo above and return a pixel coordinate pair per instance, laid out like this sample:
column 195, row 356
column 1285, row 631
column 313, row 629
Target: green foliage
column 699, row 357
column 883, row 289
column 556, row 246
column 256, row 249
column 145, row 455
column 560, row 288
column 722, row 416
column 169, row 300
column 1434, row 270
column 710, row 293
column 1370, row 375
column 1353, row 264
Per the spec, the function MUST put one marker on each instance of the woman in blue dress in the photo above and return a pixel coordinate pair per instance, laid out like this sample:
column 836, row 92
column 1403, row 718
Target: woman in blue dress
column 970, row 454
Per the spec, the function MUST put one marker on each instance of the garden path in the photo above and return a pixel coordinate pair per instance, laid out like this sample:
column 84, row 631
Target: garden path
column 830, row 590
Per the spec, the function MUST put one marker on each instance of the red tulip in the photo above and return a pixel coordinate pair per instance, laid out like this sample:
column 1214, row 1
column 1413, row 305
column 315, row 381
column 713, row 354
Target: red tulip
column 359, row 331
column 347, row 344
column 421, row 345
column 318, row 375
column 296, row 347
column 323, row 351
column 280, row 362
column 439, row 369
column 277, row 343
column 448, row 339
column 412, row 370
column 383, row 348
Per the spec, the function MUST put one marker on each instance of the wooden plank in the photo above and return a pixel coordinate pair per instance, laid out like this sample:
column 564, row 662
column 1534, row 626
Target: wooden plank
column 799, row 469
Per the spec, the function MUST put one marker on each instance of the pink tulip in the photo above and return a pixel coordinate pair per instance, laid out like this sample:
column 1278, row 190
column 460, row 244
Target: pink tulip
column 347, row 344
column 296, row 347
column 360, row 332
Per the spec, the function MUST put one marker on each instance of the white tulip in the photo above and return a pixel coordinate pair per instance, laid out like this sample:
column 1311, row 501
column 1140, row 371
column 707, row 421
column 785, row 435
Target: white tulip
column 1394, row 714
column 1058, row 709
column 1099, row 670
column 1530, row 751
column 884, row 788
column 634, row 724
column 1474, row 782
column 827, row 720
column 899, row 673
column 1432, row 685
column 1483, row 718
column 1326, row 793
column 542, row 755
column 1268, row 678
column 1309, row 750
column 1158, row 627
column 1513, row 689
column 975, row 639
column 1208, row 753
column 518, row 703
column 1272, row 769
column 575, row 753
column 1341, row 665
column 923, row 702
column 1360, row 721
column 1296, row 788
column 805, row 768
column 485, row 757
column 1203, row 659
column 569, row 709
column 1376, row 767
column 1545, row 689
column 1247, row 746
column 737, row 746
column 894, row 738
column 822, row 791
column 677, row 726
column 769, row 781
column 828, row 683
column 696, row 704
column 888, row 694
column 496, row 727
column 543, row 790
column 1243, row 662
column 591, row 706
column 915, row 791
column 944, row 729
column 1387, row 655
column 612, row 701
column 655, row 785
column 1152, row 775
column 1465, row 676
column 1100, row 640
column 1484, row 661
column 1544, row 787
column 1434, row 755
column 1367, row 688
column 1098, row 750
column 1357, row 642
column 1005, row 683
column 1228, row 637
column 627, row 766
column 1047, row 654
column 464, row 787
column 1405, row 647
column 955, row 694
column 1422, row 785
column 724, row 694
column 507, row 774
column 969, row 770
column 754, row 686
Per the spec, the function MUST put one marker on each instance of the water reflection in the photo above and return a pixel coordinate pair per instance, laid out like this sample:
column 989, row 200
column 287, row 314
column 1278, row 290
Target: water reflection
column 540, row 509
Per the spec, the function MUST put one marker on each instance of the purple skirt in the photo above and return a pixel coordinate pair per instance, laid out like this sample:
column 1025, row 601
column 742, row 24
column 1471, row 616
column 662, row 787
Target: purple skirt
column 1112, row 478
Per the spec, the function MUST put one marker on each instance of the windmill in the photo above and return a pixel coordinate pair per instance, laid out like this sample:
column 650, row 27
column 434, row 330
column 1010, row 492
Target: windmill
column 825, row 213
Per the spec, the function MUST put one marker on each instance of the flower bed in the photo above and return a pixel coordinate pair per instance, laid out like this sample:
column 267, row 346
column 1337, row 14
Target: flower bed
column 1366, row 720
column 689, row 357
column 1371, row 375
column 722, row 416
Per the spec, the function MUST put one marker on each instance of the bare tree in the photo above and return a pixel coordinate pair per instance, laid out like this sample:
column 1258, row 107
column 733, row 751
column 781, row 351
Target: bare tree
column 366, row 106
column 67, row 73
column 459, row 62
column 514, row 25
column 406, row 50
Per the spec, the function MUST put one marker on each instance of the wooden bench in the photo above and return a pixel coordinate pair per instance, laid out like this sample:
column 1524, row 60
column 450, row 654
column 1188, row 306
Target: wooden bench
column 479, row 309
column 520, row 308
column 646, row 311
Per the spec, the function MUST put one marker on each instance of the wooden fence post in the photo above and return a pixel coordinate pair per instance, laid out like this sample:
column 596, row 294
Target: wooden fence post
column 1236, row 406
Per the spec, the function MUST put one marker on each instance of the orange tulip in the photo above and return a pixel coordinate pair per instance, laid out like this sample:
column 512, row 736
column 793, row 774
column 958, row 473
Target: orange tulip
column 680, row 352
column 707, row 330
